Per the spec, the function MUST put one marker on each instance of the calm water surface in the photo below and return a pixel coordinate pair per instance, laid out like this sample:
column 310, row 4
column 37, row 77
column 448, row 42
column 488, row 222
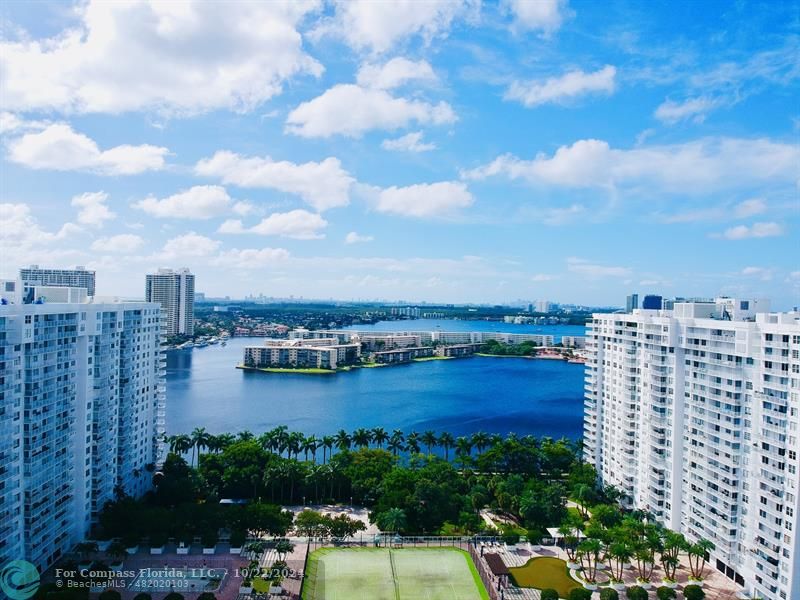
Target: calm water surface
column 540, row 397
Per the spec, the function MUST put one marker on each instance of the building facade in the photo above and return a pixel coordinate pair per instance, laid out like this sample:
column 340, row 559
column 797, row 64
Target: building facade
column 174, row 291
column 81, row 415
column 78, row 277
column 317, row 353
column 693, row 414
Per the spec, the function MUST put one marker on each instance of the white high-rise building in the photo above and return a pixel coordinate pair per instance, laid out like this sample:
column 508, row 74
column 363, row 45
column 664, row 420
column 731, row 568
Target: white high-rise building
column 694, row 414
column 78, row 277
column 81, row 414
column 174, row 291
column 542, row 306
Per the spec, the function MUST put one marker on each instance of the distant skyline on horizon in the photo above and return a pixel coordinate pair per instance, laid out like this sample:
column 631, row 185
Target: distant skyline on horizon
column 457, row 152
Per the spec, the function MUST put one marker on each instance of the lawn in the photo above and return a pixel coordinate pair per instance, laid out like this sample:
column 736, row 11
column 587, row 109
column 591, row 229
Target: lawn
column 427, row 358
column 545, row 572
column 383, row 574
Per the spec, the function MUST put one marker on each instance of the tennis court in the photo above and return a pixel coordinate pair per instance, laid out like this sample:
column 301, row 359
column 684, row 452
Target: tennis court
column 398, row 574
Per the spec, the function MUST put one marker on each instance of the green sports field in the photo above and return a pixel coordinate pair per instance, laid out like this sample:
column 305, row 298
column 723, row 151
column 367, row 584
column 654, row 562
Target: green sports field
column 383, row 574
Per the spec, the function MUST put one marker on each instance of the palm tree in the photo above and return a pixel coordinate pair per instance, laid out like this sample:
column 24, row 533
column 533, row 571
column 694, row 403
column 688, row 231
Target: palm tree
column 570, row 539
column 582, row 494
column 327, row 446
column 294, row 443
column 116, row 551
column 412, row 442
column 245, row 436
column 379, row 436
column 179, row 444
column 362, row 437
column 395, row 445
column 393, row 520
column 446, row 441
column 697, row 557
column 200, row 439
column 430, row 440
column 463, row 448
column 310, row 444
column 343, row 440
column 480, row 440
column 589, row 555
column 620, row 553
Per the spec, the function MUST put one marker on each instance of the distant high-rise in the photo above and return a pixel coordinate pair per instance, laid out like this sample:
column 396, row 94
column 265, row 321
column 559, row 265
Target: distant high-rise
column 542, row 306
column 81, row 413
column 652, row 302
column 631, row 302
column 694, row 414
column 77, row 277
column 174, row 290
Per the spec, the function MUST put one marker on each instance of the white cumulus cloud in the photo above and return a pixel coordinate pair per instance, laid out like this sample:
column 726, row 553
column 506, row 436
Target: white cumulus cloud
column 352, row 110
column 174, row 57
column 411, row 142
column 379, row 26
column 323, row 185
column 695, row 109
column 298, row 224
column 424, row 199
column 92, row 209
column 197, row 202
column 59, row 148
column 356, row 238
column 545, row 16
column 756, row 230
column 695, row 167
column 567, row 87
column 250, row 258
column 188, row 245
column 394, row 73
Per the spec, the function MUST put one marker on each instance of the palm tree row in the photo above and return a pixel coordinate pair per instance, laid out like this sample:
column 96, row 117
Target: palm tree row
column 292, row 443
column 617, row 540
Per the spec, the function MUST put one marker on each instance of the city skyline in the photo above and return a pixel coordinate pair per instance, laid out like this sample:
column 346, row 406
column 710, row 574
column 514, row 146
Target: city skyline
column 456, row 153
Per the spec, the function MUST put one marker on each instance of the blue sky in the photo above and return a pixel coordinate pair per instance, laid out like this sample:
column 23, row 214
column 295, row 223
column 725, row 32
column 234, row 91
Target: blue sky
column 440, row 151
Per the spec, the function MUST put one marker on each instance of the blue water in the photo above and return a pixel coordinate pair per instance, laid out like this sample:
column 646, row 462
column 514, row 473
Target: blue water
column 462, row 396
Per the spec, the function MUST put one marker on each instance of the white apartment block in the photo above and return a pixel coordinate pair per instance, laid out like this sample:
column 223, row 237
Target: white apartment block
column 694, row 414
column 81, row 413
column 174, row 291
column 78, row 277
column 320, row 353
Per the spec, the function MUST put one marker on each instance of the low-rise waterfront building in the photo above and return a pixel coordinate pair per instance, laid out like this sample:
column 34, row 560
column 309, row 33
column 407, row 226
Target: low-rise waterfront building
column 319, row 353
column 694, row 414
column 458, row 350
column 573, row 341
column 400, row 355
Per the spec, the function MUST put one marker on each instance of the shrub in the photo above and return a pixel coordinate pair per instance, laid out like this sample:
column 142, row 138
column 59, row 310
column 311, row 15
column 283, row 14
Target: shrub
column 693, row 592
column 142, row 596
column 238, row 538
column 209, row 538
column 580, row 594
column 206, row 596
column 665, row 593
column 637, row 593
column 173, row 596
column 110, row 595
column 548, row 594
column 609, row 594
column 511, row 538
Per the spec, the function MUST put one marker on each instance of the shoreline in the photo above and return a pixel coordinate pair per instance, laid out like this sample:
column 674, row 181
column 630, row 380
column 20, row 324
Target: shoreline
column 347, row 368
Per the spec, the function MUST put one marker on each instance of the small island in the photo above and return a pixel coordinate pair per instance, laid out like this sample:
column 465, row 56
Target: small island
column 326, row 352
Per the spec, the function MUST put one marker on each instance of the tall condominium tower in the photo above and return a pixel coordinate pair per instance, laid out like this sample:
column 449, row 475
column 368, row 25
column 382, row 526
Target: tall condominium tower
column 81, row 415
column 631, row 302
column 694, row 414
column 174, row 291
column 77, row 277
